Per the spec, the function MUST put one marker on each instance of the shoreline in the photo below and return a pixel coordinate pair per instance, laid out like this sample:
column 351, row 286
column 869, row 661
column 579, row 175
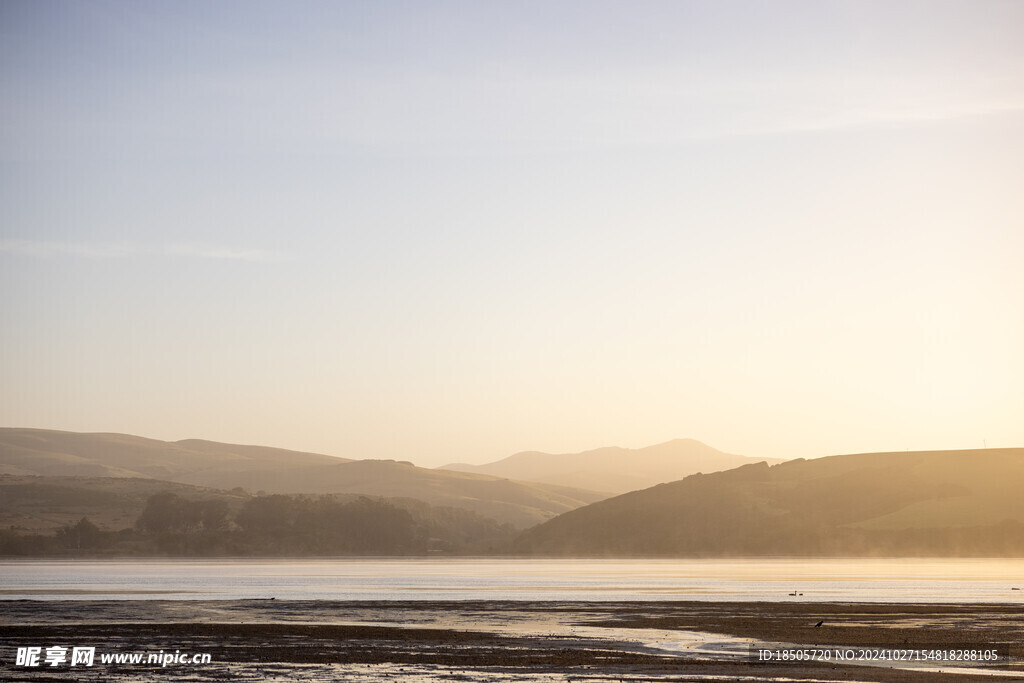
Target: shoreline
column 317, row 640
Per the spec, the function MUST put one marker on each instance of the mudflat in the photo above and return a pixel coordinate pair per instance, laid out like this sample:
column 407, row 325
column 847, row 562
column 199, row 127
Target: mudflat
column 295, row 640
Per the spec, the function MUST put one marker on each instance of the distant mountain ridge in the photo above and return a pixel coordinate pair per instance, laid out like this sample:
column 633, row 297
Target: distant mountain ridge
column 613, row 469
column 51, row 453
column 938, row 503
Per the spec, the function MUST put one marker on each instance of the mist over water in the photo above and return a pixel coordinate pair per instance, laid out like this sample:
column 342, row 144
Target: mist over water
column 819, row 580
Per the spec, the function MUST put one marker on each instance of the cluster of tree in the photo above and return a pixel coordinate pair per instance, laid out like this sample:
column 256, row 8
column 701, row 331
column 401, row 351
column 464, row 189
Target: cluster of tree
column 82, row 538
column 297, row 525
column 168, row 512
column 275, row 525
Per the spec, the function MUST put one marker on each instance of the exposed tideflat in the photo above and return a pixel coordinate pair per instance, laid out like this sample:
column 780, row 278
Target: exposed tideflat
column 491, row 640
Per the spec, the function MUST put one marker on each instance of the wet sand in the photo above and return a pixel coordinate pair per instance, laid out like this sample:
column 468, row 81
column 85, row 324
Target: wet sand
column 494, row 641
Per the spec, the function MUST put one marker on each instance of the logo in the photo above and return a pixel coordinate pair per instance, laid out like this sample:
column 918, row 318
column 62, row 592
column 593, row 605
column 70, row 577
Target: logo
column 55, row 656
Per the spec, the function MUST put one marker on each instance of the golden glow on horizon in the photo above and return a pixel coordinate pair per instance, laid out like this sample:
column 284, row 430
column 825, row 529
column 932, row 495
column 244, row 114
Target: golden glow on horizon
column 588, row 227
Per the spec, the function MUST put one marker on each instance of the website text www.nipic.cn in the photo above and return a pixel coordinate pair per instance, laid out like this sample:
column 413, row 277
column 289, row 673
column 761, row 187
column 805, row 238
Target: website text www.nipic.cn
column 56, row 656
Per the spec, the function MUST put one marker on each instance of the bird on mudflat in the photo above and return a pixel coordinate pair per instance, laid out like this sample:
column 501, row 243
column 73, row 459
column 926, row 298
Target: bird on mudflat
column 818, row 625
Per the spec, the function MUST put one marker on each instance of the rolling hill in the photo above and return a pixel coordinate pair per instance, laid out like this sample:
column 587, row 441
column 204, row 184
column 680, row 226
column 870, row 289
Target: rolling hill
column 615, row 470
column 41, row 505
column 876, row 504
column 49, row 453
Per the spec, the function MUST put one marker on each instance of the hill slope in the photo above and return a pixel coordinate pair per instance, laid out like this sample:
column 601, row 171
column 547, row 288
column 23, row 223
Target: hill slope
column 42, row 505
column 257, row 468
column 615, row 470
column 896, row 504
column 51, row 453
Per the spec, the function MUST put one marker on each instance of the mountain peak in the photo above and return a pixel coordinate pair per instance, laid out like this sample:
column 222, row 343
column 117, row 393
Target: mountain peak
column 613, row 468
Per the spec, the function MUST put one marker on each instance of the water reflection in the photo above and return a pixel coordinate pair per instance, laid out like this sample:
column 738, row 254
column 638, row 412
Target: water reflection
column 828, row 580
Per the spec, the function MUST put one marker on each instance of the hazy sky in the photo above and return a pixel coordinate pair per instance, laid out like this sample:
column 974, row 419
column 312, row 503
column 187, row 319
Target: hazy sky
column 449, row 231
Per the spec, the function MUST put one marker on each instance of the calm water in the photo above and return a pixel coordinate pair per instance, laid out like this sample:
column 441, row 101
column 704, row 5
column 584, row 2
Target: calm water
column 957, row 580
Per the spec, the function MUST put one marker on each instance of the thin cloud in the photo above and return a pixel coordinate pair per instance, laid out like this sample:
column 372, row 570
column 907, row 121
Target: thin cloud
column 114, row 250
column 220, row 253
column 871, row 118
column 525, row 112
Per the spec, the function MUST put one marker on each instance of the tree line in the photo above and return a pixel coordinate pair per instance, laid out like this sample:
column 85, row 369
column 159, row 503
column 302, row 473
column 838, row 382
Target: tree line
column 275, row 525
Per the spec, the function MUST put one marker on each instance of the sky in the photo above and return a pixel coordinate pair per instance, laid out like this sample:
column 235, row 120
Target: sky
column 447, row 231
